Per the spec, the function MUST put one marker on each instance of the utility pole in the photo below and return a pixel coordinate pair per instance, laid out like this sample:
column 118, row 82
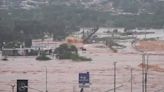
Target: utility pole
column 146, row 72
column 73, row 88
column 46, row 80
column 115, row 76
column 131, row 71
column 82, row 90
column 145, row 67
column 143, row 73
column 145, row 32
column 83, row 34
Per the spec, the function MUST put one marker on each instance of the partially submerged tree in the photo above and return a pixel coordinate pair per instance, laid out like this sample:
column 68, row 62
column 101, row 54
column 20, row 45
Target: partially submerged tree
column 66, row 51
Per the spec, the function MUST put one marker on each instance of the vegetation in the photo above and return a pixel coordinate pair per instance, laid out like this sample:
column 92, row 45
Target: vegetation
column 21, row 25
column 76, row 57
column 65, row 51
column 43, row 57
column 12, row 45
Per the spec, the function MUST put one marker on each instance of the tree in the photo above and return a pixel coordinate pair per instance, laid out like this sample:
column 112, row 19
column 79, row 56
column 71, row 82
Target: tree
column 65, row 51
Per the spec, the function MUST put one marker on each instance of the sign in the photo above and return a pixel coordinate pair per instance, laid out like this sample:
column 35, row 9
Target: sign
column 84, row 80
column 22, row 85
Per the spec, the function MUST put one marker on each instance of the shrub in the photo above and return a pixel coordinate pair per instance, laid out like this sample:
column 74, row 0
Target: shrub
column 75, row 57
column 43, row 57
column 82, row 58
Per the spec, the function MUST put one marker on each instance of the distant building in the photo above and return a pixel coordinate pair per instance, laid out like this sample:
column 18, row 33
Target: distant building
column 19, row 52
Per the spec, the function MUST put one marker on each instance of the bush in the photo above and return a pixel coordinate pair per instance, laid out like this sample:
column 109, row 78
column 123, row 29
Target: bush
column 82, row 58
column 75, row 57
column 43, row 57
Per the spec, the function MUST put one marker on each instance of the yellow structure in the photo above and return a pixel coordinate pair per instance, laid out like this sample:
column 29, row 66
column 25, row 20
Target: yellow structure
column 74, row 41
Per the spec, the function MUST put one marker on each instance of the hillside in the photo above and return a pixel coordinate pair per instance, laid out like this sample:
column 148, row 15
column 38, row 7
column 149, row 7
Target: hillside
column 28, row 19
column 134, row 6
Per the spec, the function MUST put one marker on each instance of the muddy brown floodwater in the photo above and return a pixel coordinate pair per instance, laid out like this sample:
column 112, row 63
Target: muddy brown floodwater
column 63, row 74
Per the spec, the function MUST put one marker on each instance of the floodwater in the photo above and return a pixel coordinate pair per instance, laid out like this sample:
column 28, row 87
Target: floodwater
column 158, row 33
column 63, row 74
